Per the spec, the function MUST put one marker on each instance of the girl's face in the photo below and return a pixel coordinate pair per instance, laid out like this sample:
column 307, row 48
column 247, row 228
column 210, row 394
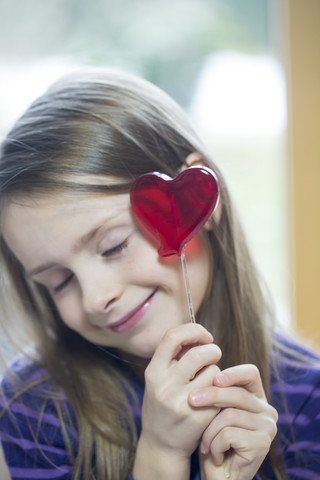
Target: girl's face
column 105, row 275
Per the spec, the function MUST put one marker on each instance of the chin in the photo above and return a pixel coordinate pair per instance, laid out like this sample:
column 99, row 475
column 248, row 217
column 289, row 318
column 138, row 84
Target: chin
column 146, row 352
column 145, row 349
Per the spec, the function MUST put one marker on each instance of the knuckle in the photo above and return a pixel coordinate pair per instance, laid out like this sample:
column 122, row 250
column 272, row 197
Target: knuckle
column 227, row 435
column 265, row 442
column 271, row 426
column 172, row 336
column 254, row 371
column 269, row 429
column 273, row 429
column 229, row 415
column 149, row 375
column 274, row 432
column 273, row 413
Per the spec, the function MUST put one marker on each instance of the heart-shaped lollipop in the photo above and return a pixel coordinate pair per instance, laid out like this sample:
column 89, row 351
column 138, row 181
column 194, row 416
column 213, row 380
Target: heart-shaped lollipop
column 174, row 210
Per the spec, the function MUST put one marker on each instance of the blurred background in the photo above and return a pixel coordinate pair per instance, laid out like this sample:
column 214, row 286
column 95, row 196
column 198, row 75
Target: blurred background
column 246, row 72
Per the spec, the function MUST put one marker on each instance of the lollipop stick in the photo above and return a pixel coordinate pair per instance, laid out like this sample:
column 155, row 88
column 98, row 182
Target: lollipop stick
column 186, row 282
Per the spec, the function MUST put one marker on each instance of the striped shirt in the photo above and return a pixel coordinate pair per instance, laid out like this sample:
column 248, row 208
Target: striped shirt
column 37, row 450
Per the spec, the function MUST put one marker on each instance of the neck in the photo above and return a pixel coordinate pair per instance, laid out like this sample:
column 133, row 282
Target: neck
column 136, row 364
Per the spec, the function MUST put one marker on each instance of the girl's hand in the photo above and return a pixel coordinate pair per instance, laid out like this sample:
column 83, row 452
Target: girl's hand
column 237, row 440
column 183, row 362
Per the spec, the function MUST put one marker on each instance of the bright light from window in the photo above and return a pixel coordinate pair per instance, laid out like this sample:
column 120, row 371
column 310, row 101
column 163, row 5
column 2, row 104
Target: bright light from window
column 240, row 95
column 21, row 83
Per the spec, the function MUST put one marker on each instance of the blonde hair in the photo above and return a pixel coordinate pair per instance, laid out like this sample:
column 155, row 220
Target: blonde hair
column 104, row 122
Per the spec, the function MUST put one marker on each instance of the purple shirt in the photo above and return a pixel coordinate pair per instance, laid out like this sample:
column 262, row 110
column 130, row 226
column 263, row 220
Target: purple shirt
column 37, row 450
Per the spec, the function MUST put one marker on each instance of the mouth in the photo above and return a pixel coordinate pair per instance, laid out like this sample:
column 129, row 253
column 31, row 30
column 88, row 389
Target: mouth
column 132, row 318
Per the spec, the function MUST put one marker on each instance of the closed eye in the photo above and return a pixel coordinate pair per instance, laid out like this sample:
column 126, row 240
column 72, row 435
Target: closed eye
column 114, row 250
column 108, row 253
column 63, row 284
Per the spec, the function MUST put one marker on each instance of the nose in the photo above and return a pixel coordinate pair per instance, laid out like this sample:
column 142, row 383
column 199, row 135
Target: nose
column 99, row 296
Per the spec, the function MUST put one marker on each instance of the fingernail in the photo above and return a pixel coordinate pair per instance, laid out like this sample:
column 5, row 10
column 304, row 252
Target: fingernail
column 196, row 397
column 203, row 449
column 221, row 379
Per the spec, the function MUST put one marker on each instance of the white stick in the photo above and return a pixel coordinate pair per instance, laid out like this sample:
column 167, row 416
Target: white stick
column 186, row 282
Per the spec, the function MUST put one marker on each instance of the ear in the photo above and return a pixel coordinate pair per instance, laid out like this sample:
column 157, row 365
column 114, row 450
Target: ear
column 195, row 158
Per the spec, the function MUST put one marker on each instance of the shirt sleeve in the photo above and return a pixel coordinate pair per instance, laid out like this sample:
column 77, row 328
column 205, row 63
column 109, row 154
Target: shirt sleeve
column 32, row 437
column 299, row 424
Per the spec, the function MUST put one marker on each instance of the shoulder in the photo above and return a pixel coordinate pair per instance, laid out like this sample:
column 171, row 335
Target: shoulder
column 27, row 390
column 295, row 379
column 22, row 370
column 295, row 393
column 31, row 413
column 296, row 370
column 26, row 382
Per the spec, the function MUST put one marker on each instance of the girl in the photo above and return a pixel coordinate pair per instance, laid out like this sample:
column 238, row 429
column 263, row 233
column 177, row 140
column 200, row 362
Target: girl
column 114, row 382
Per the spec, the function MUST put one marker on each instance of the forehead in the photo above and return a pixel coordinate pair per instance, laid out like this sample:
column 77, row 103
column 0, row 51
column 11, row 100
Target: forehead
column 59, row 214
column 65, row 197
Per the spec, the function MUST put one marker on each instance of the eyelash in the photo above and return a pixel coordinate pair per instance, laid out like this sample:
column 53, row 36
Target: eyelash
column 108, row 253
column 114, row 250
column 63, row 284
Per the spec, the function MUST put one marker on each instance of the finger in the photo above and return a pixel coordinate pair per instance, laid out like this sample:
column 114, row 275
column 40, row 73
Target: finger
column 196, row 359
column 210, row 470
column 175, row 339
column 204, row 377
column 249, row 446
column 232, row 397
column 240, row 419
column 247, row 376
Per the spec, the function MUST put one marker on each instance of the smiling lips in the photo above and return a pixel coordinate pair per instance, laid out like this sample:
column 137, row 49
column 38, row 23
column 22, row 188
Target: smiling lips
column 133, row 317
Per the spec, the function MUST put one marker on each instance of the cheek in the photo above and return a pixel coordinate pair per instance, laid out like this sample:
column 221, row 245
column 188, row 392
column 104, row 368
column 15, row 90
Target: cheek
column 146, row 264
column 70, row 312
column 199, row 266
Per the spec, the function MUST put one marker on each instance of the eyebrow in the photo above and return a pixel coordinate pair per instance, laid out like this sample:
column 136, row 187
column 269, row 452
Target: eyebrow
column 40, row 269
column 87, row 237
column 84, row 240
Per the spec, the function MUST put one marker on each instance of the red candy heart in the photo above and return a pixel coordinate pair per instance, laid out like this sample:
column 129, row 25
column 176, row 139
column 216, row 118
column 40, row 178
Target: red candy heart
column 174, row 210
